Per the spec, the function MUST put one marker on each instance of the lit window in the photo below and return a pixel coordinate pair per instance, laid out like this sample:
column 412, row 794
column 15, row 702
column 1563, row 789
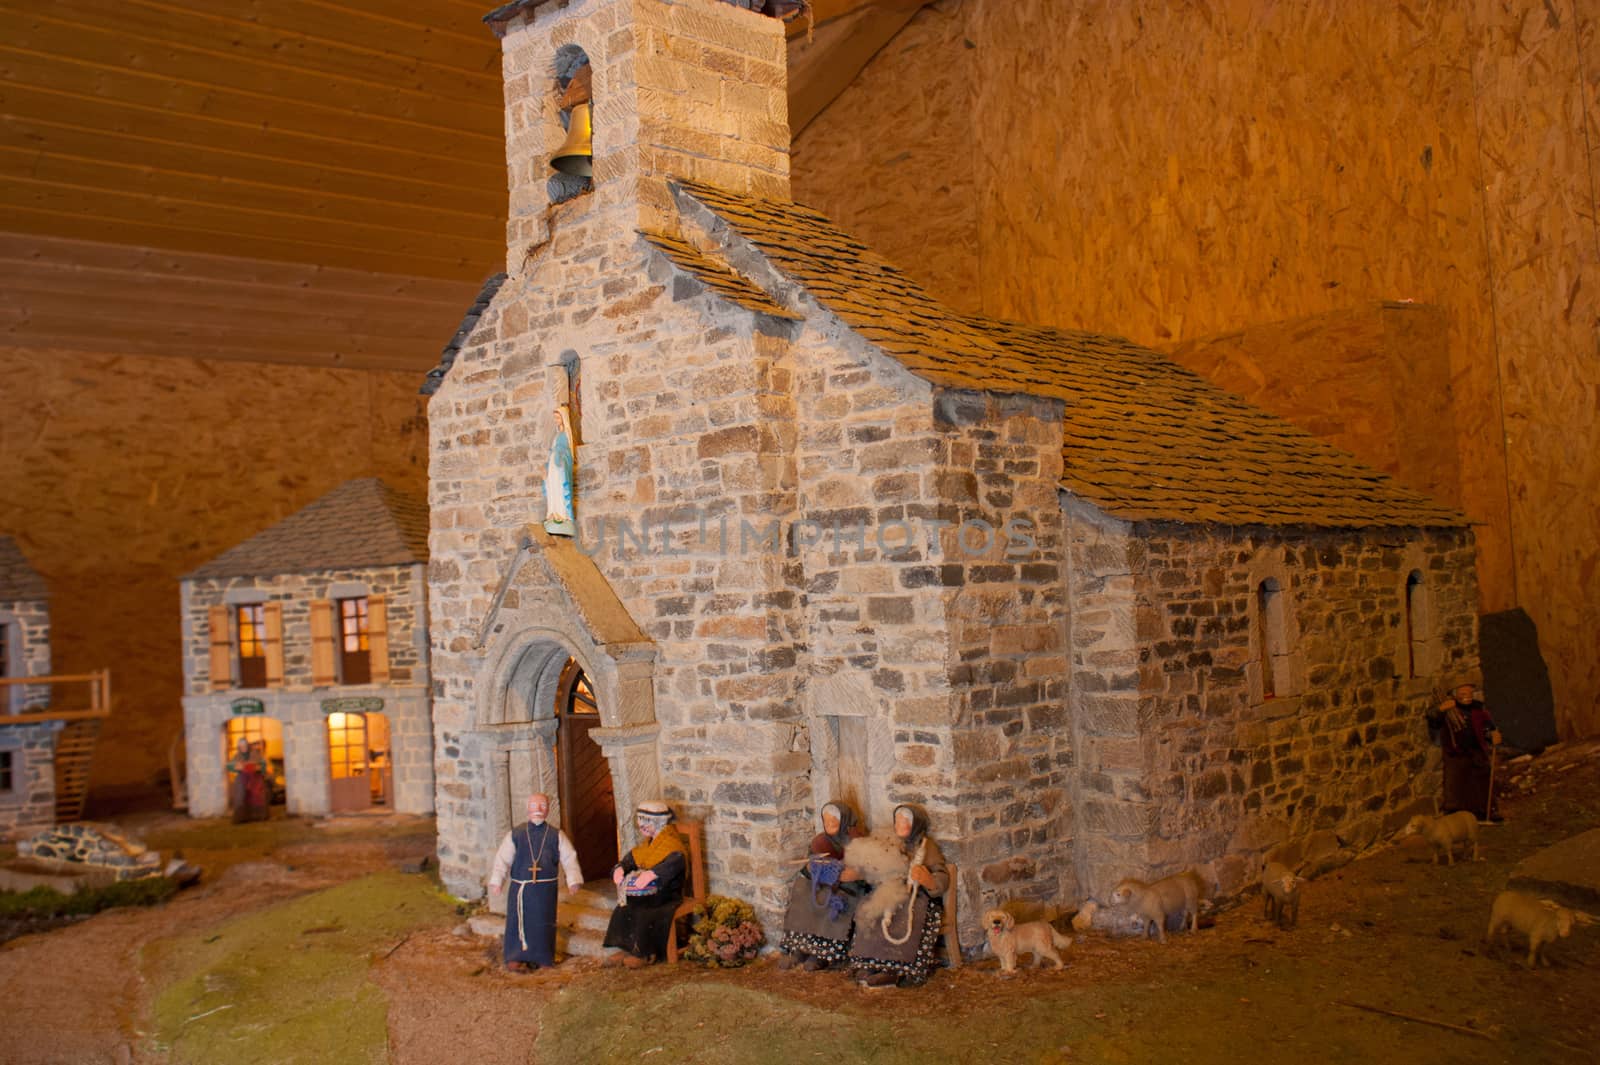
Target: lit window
column 252, row 645
column 354, row 658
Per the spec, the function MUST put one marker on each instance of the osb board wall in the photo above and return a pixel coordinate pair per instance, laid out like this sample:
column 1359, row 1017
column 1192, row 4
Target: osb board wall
column 1373, row 380
column 1172, row 172
column 892, row 159
column 121, row 474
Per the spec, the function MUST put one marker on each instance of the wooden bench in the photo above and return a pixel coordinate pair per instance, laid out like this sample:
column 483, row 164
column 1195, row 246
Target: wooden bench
column 694, row 884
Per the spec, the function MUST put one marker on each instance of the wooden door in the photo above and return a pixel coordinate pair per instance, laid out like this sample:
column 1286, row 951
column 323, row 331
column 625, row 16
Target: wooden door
column 850, row 762
column 348, row 786
column 588, row 801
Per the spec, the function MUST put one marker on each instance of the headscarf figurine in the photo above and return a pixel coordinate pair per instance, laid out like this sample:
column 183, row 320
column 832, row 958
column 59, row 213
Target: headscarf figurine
column 897, row 942
column 249, row 792
column 650, row 878
column 529, row 857
column 823, row 896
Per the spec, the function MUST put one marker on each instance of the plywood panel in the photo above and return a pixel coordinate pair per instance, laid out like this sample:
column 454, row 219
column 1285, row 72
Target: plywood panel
column 892, row 158
column 123, row 473
column 86, row 296
column 1540, row 218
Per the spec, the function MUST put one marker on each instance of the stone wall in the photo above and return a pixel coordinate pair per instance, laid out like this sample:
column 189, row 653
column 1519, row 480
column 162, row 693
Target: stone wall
column 405, row 598
column 1187, row 761
column 297, row 705
column 31, row 801
column 27, row 632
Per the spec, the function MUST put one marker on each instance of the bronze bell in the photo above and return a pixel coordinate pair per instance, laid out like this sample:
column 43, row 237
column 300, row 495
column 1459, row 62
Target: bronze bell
column 576, row 154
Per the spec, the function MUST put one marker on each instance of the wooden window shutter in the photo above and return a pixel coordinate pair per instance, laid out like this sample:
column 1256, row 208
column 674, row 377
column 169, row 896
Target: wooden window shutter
column 221, row 647
column 272, row 643
column 378, row 638
column 323, row 644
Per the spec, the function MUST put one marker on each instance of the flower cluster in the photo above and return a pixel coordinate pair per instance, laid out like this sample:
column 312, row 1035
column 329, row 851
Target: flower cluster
column 725, row 933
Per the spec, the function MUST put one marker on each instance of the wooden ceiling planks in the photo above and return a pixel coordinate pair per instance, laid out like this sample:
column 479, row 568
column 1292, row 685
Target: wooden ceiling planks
column 159, row 302
column 282, row 180
column 178, row 124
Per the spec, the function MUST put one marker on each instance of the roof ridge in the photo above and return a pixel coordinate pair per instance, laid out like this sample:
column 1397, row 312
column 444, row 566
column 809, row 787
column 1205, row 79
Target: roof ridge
column 360, row 523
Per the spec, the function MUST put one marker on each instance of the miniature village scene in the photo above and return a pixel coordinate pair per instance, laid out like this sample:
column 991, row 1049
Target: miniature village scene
column 773, row 530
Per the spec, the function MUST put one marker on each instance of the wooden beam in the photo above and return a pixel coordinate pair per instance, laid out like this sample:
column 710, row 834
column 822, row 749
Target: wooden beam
column 823, row 66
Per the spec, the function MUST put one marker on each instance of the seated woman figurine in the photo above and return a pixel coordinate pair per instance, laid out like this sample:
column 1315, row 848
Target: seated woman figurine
column 650, row 882
column 902, row 948
column 823, row 897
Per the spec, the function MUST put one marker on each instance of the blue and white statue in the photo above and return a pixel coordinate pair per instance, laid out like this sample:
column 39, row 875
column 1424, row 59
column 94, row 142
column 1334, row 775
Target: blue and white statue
column 559, row 518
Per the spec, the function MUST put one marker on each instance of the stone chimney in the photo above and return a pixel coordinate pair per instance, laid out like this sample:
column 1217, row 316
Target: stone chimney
column 682, row 88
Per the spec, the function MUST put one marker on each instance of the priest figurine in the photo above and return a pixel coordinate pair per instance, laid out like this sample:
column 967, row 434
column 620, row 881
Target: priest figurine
column 528, row 857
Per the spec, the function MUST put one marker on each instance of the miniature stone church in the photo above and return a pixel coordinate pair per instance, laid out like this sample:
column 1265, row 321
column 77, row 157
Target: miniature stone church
column 832, row 539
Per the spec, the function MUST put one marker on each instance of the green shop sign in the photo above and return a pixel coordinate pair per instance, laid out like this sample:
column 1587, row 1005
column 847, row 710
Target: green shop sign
column 241, row 707
column 355, row 704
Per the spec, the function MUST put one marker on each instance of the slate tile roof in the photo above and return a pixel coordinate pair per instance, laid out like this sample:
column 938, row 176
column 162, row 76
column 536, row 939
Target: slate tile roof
column 19, row 581
column 719, row 277
column 1145, row 439
column 361, row 523
column 469, row 322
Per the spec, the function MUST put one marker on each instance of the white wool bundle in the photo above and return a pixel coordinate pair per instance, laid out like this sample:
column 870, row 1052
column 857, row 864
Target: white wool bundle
column 881, row 863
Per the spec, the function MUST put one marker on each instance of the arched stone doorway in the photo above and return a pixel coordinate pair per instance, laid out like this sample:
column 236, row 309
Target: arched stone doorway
column 558, row 718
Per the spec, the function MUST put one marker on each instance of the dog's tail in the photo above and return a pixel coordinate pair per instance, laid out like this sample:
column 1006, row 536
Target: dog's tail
column 1058, row 940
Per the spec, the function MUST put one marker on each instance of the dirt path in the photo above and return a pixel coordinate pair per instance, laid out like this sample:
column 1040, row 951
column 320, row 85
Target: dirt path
column 77, row 994
column 1391, row 931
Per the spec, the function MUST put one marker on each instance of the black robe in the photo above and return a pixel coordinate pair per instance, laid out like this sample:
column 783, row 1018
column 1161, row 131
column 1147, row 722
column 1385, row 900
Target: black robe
column 531, row 904
column 642, row 926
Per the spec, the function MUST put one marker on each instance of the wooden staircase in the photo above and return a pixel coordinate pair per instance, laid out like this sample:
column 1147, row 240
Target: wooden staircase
column 74, row 746
column 74, row 753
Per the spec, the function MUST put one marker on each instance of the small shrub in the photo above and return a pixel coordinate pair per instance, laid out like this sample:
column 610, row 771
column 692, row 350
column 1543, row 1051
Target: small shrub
column 42, row 902
column 724, row 933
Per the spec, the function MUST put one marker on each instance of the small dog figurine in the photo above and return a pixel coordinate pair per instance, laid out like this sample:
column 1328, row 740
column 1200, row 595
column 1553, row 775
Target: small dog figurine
column 1007, row 939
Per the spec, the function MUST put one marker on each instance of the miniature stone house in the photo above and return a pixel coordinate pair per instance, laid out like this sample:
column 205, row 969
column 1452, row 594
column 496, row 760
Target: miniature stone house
column 27, row 750
column 1100, row 617
column 310, row 640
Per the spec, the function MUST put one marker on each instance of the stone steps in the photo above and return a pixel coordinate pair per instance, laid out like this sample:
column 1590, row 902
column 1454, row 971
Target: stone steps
column 581, row 920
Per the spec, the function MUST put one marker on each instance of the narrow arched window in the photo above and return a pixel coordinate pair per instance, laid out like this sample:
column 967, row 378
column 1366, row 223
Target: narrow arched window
column 1416, row 621
column 1271, row 637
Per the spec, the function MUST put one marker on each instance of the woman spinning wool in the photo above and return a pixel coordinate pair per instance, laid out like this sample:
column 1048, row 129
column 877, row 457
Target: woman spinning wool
column 823, row 897
column 650, row 878
column 899, row 946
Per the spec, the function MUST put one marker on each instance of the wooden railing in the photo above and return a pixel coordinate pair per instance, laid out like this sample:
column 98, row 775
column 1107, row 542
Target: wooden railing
column 74, row 743
column 99, row 685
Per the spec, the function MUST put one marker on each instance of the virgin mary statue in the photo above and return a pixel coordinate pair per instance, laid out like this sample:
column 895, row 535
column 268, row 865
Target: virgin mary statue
column 559, row 519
